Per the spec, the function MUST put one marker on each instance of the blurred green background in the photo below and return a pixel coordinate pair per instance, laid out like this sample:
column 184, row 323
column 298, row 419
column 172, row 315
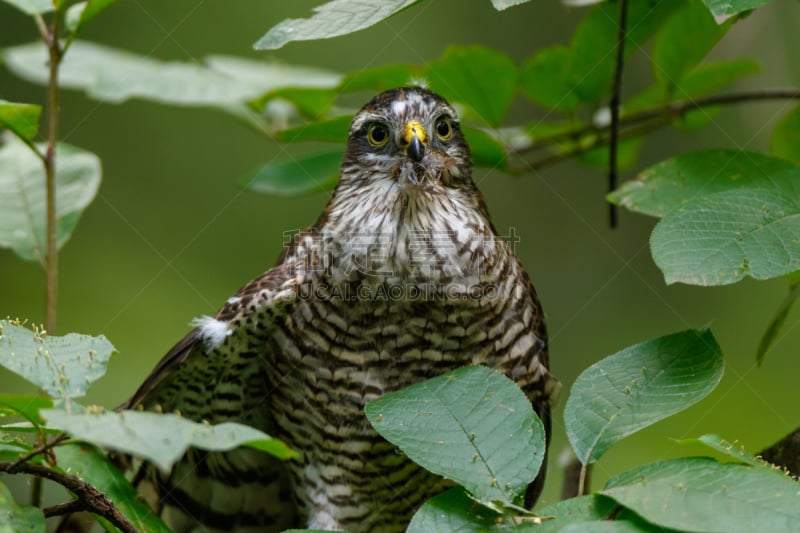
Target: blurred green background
column 171, row 235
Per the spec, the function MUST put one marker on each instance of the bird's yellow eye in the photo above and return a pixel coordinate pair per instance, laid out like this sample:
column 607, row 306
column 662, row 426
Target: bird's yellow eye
column 377, row 135
column 444, row 129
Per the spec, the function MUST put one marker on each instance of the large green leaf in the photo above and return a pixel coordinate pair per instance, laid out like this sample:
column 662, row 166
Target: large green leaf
column 722, row 9
column 21, row 119
column 486, row 150
column 23, row 218
column 638, row 386
column 453, row 511
column 19, row 518
column 724, row 237
column 702, row 80
column 676, row 182
column 500, row 5
column 26, row 406
column 32, row 7
column 63, row 366
column 472, row 425
column 337, row 17
column 480, row 77
column 161, row 438
column 114, row 75
column 589, row 508
column 700, row 494
column 94, row 467
column 330, row 130
column 732, row 450
column 684, row 40
column 785, row 140
column 80, row 14
column 595, row 39
column 297, row 174
column 381, row 78
column 547, row 80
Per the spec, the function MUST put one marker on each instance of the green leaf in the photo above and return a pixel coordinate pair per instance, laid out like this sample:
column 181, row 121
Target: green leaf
column 700, row 494
column 683, row 41
column 94, row 467
column 486, row 150
column 161, row 438
column 21, row 119
column 113, row 75
column 547, row 80
column 453, row 511
column 337, row 17
column 32, row 7
column 80, row 14
column 639, row 386
column 785, row 140
column 589, row 508
column 627, row 154
column 595, row 39
column 382, row 78
column 298, row 175
column 703, row 80
column 27, row 406
column 674, row 183
column 500, row 5
column 482, row 78
column 724, row 237
column 19, row 518
column 63, row 366
column 723, row 9
column 472, row 425
column 311, row 102
column 332, row 130
column 23, row 217
column 729, row 449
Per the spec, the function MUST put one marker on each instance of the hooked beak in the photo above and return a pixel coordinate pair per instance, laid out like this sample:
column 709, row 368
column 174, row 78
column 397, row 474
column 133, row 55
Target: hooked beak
column 415, row 137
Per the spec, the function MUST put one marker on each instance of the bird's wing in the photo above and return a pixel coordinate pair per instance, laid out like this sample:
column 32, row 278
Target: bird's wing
column 217, row 373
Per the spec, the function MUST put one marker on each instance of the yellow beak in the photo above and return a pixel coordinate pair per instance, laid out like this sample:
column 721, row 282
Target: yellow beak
column 414, row 136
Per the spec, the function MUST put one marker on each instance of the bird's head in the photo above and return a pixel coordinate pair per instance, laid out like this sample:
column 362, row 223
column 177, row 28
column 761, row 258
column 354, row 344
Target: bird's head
column 409, row 139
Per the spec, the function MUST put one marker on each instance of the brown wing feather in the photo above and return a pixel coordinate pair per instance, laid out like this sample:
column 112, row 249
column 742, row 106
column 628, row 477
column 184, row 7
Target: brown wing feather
column 220, row 376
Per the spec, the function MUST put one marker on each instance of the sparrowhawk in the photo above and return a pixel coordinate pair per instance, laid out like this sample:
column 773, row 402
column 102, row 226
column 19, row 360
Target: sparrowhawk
column 401, row 278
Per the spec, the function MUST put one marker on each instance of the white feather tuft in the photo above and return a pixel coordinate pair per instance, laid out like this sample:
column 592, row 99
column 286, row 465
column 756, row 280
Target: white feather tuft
column 212, row 331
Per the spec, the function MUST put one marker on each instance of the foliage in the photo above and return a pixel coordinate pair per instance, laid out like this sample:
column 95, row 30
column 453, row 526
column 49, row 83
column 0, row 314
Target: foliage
column 725, row 215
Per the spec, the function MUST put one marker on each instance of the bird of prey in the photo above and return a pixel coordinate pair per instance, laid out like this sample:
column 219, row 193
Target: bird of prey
column 400, row 279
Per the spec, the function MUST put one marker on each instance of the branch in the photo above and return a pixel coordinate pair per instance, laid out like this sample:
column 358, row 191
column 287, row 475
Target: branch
column 70, row 507
column 94, row 500
column 44, row 448
column 616, row 91
column 651, row 120
column 50, row 37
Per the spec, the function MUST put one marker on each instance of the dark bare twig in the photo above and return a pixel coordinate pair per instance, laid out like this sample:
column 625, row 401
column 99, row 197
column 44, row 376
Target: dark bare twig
column 94, row 500
column 72, row 506
column 12, row 468
column 651, row 120
column 616, row 96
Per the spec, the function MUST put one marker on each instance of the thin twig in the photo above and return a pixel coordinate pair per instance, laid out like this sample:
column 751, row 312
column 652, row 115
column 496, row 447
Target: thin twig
column 664, row 113
column 51, row 265
column 95, row 501
column 70, row 507
column 650, row 120
column 616, row 96
column 36, row 451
